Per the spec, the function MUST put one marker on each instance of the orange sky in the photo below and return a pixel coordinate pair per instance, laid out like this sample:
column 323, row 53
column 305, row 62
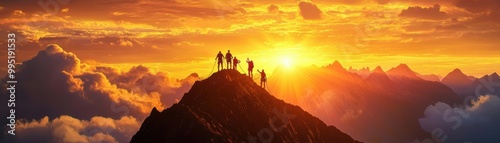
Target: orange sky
column 183, row 36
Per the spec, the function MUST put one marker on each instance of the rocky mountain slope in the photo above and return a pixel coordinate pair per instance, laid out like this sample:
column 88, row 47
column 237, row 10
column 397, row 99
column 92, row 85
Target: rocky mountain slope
column 230, row 107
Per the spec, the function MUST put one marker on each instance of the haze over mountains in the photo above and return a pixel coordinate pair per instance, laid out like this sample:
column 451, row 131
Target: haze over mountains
column 379, row 106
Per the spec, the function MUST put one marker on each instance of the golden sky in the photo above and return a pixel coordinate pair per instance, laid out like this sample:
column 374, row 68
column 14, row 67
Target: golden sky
column 183, row 36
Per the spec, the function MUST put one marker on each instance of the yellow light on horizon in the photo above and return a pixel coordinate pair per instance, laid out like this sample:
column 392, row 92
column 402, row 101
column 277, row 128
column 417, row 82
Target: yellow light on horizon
column 287, row 62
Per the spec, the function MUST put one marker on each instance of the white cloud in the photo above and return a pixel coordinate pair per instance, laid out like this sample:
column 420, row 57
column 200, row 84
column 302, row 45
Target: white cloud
column 69, row 129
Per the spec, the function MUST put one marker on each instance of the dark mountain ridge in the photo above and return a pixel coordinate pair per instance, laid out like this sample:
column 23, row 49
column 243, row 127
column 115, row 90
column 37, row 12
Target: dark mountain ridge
column 230, row 107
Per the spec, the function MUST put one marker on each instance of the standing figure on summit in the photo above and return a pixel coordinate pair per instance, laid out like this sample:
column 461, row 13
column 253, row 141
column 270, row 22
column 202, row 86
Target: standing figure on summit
column 263, row 78
column 219, row 57
column 229, row 58
column 250, row 67
column 235, row 63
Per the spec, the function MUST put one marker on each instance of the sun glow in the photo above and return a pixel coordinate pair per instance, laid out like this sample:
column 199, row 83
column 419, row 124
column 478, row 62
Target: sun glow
column 287, row 62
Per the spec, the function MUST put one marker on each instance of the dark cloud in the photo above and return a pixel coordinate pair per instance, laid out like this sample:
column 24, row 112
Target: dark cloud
column 309, row 10
column 87, row 103
column 488, row 10
column 124, row 9
column 477, row 123
column 55, row 83
column 54, row 7
column 434, row 13
column 349, row 1
column 478, row 6
column 382, row 2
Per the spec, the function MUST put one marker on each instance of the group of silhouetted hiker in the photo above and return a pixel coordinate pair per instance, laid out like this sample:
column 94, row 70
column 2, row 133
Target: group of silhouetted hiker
column 232, row 63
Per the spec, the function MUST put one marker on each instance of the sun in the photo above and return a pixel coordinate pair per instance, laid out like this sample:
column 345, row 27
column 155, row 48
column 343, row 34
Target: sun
column 287, row 62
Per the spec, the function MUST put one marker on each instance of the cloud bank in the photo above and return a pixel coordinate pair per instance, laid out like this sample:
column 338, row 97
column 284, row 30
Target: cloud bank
column 477, row 123
column 69, row 129
column 433, row 13
column 56, row 85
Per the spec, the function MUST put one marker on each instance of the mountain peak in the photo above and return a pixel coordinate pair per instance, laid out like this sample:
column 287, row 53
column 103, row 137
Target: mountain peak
column 403, row 66
column 336, row 62
column 231, row 107
column 457, row 71
column 456, row 77
column 224, row 81
column 378, row 69
column 495, row 74
column 336, row 66
column 402, row 70
column 378, row 75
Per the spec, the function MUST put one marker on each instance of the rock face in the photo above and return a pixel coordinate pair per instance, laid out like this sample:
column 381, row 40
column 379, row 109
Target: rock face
column 230, row 107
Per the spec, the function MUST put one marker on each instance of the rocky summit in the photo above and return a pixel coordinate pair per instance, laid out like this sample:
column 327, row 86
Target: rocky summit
column 230, row 107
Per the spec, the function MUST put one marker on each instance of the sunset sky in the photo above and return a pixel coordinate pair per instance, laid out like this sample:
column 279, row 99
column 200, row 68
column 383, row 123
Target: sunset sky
column 183, row 36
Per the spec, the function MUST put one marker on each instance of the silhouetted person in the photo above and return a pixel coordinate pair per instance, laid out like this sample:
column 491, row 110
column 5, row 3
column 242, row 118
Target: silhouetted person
column 229, row 57
column 263, row 78
column 250, row 68
column 219, row 62
column 235, row 63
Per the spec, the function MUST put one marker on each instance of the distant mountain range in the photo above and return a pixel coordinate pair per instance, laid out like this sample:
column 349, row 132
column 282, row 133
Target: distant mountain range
column 230, row 107
column 375, row 107
column 401, row 70
column 465, row 85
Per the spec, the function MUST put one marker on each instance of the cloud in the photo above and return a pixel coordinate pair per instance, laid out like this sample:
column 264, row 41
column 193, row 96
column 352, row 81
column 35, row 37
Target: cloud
column 477, row 6
column 273, row 9
column 69, row 129
column 125, row 43
column 433, row 13
column 488, row 10
column 451, row 27
column 140, row 79
column 58, row 7
column 186, row 43
column 475, row 123
column 18, row 13
column 350, row 2
column 55, row 83
column 309, row 10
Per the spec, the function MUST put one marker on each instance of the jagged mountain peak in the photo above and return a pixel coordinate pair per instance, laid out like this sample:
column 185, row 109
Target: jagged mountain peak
column 378, row 69
column 495, row 74
column 337, row 63
column 378, row 75
column 336, row 66
column 403, row 67
column 402, row 70
column 456, row 77
column 456, row 71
